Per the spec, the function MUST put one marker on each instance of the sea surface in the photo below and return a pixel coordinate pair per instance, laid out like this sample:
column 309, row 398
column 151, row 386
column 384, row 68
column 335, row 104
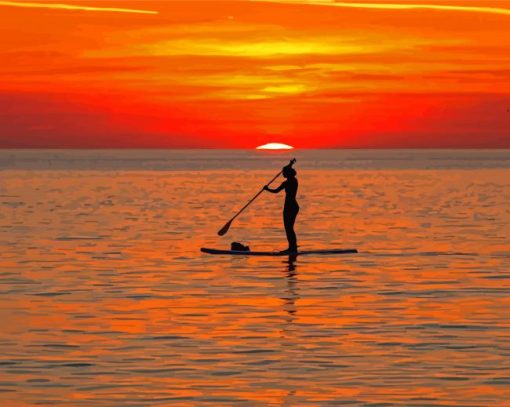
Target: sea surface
column 106, row 300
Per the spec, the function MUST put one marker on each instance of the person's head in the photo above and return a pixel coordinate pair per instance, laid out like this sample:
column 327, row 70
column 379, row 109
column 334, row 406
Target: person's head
column 288, row 172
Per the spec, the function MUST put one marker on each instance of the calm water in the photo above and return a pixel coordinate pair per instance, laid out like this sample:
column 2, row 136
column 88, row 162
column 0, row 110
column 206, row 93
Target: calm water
column 106, row 300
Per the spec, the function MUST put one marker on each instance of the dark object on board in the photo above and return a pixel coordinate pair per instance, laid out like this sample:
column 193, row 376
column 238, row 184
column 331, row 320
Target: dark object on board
column 239, row 247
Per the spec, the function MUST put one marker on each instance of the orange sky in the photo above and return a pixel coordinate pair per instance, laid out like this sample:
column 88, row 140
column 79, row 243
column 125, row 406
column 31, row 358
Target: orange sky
column 310, row 73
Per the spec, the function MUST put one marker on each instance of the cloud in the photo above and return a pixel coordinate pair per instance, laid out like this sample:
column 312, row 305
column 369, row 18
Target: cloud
column 74, row 7
column 395, row 6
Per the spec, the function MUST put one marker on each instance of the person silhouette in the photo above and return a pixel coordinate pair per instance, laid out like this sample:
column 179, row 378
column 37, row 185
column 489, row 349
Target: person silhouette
column 291, row 207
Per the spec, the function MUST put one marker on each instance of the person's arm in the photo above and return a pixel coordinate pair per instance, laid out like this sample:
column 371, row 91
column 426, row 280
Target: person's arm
column 276, row 190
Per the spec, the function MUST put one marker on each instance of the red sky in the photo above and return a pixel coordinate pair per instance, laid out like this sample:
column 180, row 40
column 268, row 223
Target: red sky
column 310, row 73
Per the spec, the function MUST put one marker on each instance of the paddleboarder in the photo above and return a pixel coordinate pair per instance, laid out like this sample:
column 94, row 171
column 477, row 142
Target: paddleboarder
column 290, row 211
column 291, row 207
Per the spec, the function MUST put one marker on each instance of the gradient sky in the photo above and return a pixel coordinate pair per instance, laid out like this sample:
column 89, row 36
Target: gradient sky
column 310, row 73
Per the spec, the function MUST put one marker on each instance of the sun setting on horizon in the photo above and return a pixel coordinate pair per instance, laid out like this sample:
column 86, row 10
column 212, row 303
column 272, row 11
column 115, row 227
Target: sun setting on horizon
column 275, row 146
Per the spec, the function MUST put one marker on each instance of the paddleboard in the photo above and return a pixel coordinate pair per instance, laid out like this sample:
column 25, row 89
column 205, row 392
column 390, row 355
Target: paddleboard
column 300, row 253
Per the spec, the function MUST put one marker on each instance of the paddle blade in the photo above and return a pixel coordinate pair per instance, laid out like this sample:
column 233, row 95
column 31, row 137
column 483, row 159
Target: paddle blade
column 225, row 228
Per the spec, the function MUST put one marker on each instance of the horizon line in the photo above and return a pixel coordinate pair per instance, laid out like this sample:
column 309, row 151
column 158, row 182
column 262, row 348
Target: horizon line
column 254, row 148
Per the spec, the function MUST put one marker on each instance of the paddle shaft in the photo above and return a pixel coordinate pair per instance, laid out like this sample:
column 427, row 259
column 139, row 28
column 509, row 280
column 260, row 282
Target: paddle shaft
column 255, row 197
column 225, row 228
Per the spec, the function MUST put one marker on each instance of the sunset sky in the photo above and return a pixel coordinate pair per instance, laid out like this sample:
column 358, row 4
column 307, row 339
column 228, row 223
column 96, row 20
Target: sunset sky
column 228, row 74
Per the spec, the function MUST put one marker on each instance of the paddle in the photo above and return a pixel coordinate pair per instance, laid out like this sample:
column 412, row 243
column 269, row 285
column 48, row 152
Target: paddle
column 225, row 228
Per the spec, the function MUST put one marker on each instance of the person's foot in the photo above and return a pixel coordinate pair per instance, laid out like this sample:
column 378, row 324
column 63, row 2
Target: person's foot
column 290, row 250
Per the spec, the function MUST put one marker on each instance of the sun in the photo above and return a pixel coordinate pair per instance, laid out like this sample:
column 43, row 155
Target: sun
column 275, row 146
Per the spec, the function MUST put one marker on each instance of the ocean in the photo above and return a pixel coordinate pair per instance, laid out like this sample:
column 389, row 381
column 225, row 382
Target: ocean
column 106, row 299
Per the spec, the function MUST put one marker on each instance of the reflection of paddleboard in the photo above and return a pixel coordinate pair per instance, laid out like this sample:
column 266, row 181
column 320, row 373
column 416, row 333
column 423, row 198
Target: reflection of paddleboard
column 250, row 253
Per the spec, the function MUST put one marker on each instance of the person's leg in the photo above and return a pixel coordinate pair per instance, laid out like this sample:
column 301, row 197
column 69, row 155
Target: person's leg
column 289, row 218
column 294, row 245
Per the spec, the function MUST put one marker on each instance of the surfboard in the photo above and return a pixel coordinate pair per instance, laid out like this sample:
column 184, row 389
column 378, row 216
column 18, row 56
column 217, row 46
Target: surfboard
column 300, row 253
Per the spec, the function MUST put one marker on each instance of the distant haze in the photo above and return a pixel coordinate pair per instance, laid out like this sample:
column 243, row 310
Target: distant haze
column 216, row 159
